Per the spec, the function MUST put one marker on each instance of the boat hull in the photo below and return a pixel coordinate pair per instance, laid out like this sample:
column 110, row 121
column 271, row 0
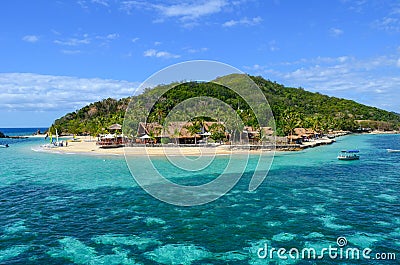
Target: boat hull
column 111, row 146
column 348, row 158
column 393, row 151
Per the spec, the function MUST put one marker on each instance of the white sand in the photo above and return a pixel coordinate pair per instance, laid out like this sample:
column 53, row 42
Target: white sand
column 88, row 146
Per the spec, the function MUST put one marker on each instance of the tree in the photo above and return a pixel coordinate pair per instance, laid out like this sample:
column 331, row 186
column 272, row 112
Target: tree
column 291, row 120
column 176, row 134
column 194, row 128
column 217, row 131
column 160, row 115
column 317, row 124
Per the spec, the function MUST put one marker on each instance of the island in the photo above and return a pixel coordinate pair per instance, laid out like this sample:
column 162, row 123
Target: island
column 299, row 119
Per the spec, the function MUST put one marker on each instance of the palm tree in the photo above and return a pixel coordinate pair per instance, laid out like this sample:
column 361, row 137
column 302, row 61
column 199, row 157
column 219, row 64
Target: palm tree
column 291, row 120
column 193, row 129
column 217, row 132
column 160, row 114
column 176, row 134
column 317, row 124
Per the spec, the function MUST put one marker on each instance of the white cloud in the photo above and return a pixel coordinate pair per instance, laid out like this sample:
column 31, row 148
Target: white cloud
column 150, row 53
column 55, row 32
column 35, row 92
column 30, row 38
column 191, row 50
column 71, row 51
column 112, row 36
column 373, row 81
column 82, row 3
column 101, row 2
column 388, row 24
column 189, row 12
column 335, row 32
column 105, row 40
column 85, row 3
column 273, row 46
column 391, row 21
column 159, row 54
column 73, row 41
column 186, row 11
column 244, row 21
column 357, row 6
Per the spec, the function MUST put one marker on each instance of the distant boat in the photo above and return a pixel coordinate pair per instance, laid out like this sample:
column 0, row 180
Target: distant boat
column 393, row 150
column 4, row 145
column 349, row 155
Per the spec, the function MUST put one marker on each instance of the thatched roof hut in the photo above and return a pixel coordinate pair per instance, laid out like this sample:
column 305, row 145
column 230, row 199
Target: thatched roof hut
column 149, row 128
column 173, row 130
column 304, row 132
column 115, row 127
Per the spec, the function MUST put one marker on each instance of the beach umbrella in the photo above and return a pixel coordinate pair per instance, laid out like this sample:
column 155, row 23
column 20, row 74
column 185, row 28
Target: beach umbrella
column 115, row 127
column 145, row 137
column 109, row 136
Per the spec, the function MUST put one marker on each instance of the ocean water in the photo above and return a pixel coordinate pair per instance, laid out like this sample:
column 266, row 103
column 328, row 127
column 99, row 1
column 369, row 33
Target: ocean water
column 77, row 209
column 21, row 131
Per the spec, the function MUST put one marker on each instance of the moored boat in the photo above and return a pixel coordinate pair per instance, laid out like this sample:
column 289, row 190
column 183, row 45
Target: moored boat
column 349, row 155
column 393, row 150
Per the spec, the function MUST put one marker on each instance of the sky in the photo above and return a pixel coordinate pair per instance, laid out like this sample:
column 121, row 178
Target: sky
column 58, row 56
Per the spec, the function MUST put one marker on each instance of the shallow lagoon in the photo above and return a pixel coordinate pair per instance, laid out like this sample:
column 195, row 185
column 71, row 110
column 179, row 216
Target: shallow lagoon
column 64, row 208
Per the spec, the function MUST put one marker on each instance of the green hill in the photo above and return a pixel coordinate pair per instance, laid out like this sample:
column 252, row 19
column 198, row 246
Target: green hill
column 292, row 107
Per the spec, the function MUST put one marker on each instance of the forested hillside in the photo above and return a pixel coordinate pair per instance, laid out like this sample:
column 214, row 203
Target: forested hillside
column 292, row 107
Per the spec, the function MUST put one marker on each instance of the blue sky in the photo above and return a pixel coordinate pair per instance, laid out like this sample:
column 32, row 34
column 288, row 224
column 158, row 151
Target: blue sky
column 57, row 56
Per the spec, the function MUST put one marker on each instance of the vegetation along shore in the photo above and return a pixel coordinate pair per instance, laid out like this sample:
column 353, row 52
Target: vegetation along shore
column 302, row 119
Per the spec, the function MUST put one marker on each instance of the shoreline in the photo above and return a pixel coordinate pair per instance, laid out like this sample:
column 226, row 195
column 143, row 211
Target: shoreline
column 90, row 148
column 87, row 146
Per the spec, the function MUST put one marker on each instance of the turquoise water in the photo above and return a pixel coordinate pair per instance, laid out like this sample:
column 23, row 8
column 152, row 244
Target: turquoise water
column 75, row 209
column 21, row 131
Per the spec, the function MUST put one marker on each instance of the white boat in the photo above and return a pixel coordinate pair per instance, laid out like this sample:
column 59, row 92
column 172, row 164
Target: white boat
column 4, row 145
column 393, row 150
column 349, row 155
column 53, row 144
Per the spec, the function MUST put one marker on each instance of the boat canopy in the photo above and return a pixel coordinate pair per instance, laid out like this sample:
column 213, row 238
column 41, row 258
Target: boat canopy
column 353, row 151
column 350, row 151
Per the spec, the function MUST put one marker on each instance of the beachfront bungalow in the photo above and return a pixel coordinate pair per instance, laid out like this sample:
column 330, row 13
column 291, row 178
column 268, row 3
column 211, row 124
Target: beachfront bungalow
column 115, row 128
column 253, row 135
column 301, row 135
column 149, row 133
column 296, row 139
column 305, row 134
column 178, row 133
column 250, row 134
column 113, row 139
column 175, row 132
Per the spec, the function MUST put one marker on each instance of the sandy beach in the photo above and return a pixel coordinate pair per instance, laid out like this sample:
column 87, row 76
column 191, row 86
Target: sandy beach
column 87, row 145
